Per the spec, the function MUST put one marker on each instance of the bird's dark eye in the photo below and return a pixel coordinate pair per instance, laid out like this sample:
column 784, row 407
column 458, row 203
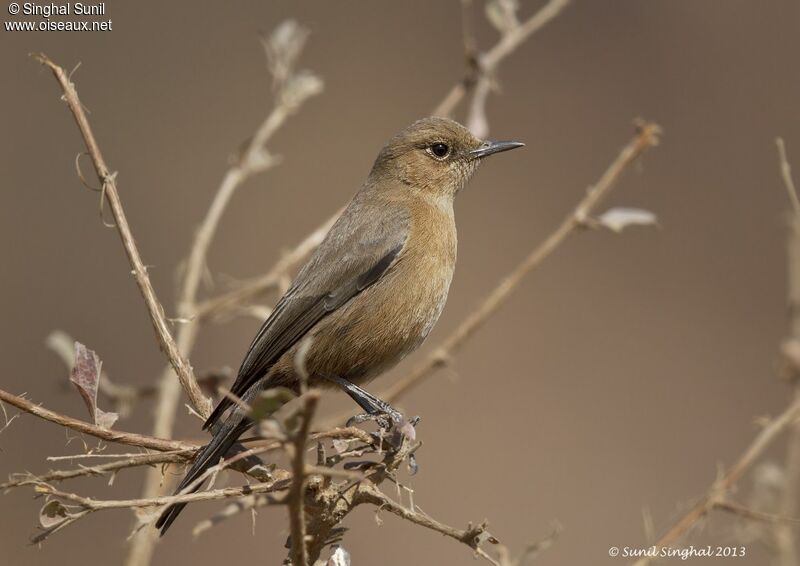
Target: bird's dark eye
column 440, row 150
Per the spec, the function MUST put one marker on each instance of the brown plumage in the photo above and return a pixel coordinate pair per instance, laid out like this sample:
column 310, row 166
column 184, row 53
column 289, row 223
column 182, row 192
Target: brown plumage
column 373, row 289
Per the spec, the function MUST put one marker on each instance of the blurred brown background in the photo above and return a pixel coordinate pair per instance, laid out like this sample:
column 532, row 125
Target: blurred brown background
column 621, row 374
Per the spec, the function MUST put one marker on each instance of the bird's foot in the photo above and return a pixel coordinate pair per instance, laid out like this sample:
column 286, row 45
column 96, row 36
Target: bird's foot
column 386, row 419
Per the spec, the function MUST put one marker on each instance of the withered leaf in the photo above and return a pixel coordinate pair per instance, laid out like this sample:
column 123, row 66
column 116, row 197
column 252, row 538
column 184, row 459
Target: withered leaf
column 617, row 219
column 86, row 378
column 53, row 513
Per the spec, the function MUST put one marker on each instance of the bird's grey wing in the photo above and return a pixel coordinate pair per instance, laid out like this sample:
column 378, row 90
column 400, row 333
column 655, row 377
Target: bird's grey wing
column 361, row 247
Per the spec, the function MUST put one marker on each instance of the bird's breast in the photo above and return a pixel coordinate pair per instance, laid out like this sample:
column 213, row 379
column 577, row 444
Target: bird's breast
column 391, row 318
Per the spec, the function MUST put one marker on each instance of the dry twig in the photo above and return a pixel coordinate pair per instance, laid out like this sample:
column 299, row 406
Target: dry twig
column 507, row 44
column 717, row 493
column 109, row 188
column 296, row 496
column 784, row 533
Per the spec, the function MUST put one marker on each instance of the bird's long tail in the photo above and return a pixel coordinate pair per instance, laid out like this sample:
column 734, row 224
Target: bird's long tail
column 209, row 455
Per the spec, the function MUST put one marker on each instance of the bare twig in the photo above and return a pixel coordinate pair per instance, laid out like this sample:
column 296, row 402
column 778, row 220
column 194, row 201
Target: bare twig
column 786, row 174
column 785, row 536
column 718, row 491
column 206, row 495
column 472, row 536
column 249, row 291
column 292, row 90
column 296, row 496
column 108, row 181
column 755, row 515
column 129, row 438
column 507, row 44
column 100, row 469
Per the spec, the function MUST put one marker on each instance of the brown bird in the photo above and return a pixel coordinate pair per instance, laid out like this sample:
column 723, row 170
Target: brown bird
column 371, row 292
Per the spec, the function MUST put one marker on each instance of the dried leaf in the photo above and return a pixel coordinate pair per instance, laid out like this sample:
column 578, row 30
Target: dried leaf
column 283, row 47
column 300, row 87
column 86, row 377
column 270, row 401
column 53, row 513
column 617, row 219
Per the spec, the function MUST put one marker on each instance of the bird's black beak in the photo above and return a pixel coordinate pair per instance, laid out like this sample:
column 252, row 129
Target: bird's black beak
column 490, row 147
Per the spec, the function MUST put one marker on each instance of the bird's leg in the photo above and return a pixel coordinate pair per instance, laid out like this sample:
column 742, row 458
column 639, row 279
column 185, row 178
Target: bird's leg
column 375, row 408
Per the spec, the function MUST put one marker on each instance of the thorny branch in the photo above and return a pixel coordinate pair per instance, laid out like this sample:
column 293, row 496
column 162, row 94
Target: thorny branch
column 131, row 438
column 109, row 187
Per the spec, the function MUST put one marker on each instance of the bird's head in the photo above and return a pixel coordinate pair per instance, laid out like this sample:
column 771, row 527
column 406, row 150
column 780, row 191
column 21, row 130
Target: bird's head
column 435, row 155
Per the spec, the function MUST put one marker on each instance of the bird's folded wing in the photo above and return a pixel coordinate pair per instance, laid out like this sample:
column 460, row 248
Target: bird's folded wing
column 356, row 253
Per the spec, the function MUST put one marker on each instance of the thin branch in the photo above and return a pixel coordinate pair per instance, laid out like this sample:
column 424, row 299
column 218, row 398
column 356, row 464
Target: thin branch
column 108, row 181
column 471, row 536
column 785, row 536
column 207, row 495
column 129, row 438
column 100, row 469
column 719, row 489
column 755, row 515
column 646, row 137
column 293, row 89
column 786, row 174
column 296, row 496
column 251, row 290
column 507, row 44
